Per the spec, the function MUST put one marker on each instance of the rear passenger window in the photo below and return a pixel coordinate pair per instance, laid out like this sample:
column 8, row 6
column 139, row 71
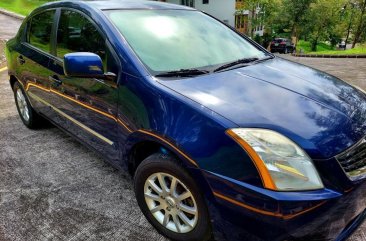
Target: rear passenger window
column 77, row 34
column 39, row 34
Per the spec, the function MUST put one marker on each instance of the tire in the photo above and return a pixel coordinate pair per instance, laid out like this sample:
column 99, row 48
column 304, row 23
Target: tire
column 27, row 114
column 159, row 168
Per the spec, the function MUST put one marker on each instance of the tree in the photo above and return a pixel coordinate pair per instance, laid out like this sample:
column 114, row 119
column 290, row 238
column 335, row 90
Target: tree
column 295, row 12
column 323, row 22
column 361, row 21
column 261, row 13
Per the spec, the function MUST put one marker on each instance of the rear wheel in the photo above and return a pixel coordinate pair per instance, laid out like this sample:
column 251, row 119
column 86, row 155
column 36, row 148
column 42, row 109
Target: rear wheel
column 27, row 114
column 170, row 199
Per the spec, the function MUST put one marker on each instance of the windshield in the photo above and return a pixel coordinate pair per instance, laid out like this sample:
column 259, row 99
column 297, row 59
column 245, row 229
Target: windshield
column 171, row 40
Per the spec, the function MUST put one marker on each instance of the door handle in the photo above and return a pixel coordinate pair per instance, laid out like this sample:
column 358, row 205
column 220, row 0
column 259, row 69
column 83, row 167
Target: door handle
column 55, row 79
column 21, row 60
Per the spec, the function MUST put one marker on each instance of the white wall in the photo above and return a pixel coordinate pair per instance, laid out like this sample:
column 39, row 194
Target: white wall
column 221, row 9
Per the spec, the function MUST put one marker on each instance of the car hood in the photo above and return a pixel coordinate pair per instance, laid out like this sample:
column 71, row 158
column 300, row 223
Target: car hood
column 321, row 113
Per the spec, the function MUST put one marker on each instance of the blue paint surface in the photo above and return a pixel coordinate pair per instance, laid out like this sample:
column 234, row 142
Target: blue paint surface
column 319, row 112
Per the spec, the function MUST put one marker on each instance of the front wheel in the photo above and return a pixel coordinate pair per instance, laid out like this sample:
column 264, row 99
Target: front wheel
column 170, row 199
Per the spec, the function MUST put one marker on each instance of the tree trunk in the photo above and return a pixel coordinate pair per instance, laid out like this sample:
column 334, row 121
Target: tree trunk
column 314, row 44
column 252, row 23
column 360, row 25
column 348, row 33
column 293, row 30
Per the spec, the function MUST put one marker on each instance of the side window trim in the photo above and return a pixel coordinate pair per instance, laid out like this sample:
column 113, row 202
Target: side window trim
column 25, row 39
column 56, row 21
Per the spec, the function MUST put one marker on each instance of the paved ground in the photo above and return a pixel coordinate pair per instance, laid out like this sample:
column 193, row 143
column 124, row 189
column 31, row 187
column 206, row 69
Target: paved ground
column 8, row 26
column 52, row 188
column 350, row 70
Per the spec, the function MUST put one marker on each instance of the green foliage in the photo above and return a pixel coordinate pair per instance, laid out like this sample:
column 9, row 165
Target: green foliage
column 266, row 40
column 258, row 39
column 323, row 48
column 319, row 20
column 357, row 50
column 22, row 7
column 306, row 46
column 322, row 25
column 294, row 13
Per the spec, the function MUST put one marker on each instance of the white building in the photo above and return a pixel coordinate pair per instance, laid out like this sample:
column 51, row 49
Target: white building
column 221, row 9
column 228, row 11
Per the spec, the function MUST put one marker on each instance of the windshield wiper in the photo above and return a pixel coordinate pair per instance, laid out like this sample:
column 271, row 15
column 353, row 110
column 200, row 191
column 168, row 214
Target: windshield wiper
column 183, row 73
column 237, row 62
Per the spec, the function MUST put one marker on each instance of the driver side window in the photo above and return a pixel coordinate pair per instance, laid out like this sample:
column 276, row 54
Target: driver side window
column 76, row 33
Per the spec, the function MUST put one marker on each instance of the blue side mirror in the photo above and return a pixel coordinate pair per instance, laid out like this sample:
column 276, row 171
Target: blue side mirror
column 83, row 65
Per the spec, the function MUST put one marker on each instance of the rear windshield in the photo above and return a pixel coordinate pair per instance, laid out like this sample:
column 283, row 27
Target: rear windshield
column 169, row 40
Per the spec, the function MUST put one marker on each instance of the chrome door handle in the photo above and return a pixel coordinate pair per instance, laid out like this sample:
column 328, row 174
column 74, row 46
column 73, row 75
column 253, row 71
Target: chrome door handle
column 55, row 79
column 21, row 60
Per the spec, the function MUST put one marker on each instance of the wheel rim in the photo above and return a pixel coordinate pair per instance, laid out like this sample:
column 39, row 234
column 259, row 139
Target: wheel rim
column 22, row 105
column 171, row 202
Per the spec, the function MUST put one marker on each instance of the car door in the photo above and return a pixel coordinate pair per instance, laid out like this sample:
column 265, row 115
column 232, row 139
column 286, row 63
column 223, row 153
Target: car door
column 33, row 59
column 86, row 107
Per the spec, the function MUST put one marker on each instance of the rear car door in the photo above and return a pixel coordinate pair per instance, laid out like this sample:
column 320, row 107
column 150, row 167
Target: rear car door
column 33, row 59
column 87, row 107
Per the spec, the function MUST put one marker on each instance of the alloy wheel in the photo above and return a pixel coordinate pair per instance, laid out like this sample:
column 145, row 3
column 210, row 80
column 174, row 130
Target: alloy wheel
column 22, row 105
column 171, row 202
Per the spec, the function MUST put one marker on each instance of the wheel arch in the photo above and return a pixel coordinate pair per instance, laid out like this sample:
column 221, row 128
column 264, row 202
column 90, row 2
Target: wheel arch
column 12, row 81
column 140, row 145
column 143, row 143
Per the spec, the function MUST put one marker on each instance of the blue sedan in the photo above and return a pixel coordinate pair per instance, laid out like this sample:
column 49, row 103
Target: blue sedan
column 224, row 140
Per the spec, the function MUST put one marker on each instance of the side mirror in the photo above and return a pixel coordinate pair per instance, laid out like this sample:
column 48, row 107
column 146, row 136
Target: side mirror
column 85, row 65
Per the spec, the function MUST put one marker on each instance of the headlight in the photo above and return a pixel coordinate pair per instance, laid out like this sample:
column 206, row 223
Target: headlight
column 282, row 165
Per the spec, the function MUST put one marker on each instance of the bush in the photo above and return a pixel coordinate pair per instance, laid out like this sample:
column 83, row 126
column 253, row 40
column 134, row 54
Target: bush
column 258, row 39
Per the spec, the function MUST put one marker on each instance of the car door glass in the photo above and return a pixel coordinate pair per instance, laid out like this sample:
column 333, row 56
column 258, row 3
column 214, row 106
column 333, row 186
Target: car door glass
column 77, row 34
column 39, row 34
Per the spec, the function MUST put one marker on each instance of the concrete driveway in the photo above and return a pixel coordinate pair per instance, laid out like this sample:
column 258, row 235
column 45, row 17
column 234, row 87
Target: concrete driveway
column 348, row 69
column 52, row 188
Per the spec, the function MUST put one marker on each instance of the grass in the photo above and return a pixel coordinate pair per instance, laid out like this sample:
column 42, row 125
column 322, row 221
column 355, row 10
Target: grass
column 22, row 7
column 324, row 48
column 306, row 47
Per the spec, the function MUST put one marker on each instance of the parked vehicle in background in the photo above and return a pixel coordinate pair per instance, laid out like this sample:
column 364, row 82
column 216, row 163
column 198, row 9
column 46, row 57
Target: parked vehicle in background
column 342, row 45
column 282, row 45
column 223, row 139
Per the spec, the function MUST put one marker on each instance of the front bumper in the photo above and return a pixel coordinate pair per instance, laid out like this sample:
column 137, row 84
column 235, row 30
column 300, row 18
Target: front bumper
column 244, row 212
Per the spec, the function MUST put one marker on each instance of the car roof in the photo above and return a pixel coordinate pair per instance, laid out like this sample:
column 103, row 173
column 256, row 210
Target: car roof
column 120, row 4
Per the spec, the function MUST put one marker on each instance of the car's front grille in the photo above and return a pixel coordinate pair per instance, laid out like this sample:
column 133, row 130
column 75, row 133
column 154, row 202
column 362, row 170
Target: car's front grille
column 353, row 161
